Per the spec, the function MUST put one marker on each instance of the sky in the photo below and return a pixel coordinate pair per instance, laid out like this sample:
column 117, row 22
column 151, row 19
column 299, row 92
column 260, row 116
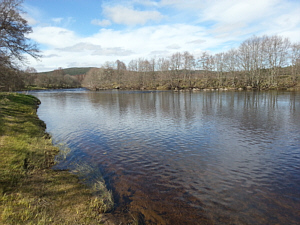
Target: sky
column 89, row 33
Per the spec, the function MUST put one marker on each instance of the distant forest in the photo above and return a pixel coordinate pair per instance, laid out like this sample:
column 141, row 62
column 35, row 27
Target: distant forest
column 267, row 62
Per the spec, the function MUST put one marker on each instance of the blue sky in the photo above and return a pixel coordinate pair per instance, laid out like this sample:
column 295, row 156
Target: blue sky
column 79, row 33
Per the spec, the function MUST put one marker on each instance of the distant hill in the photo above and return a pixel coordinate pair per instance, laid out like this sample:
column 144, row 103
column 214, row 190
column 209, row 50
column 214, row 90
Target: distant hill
column 72, row 71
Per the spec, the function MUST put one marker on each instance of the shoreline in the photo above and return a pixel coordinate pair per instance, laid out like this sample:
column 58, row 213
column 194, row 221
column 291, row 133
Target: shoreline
column 221, row 89
column 30, row 191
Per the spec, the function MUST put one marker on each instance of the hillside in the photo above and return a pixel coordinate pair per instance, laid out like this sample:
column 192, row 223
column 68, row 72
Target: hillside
column 72, row 71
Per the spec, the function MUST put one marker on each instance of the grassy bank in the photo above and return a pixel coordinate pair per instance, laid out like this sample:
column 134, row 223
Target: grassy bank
column 30, row 191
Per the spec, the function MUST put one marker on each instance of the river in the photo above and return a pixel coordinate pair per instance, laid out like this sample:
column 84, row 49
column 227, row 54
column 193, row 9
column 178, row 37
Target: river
column 185, row 157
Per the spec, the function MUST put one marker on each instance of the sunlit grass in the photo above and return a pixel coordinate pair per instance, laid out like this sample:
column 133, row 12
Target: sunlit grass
column 30, row 192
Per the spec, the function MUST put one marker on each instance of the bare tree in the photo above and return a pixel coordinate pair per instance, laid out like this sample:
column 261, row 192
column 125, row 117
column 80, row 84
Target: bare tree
column 109, row 69
column 176, row 65
column 206, row 63
column 69, row 81
column 13, row 31
column 245, row 59
column 108, row 65
column 121, row 68
column 133, row 65
column 43, row 80
column 277, row 50
column 295, row 60
column 96, row 78
column 10, row 79
column 152, row 74
column 220, row 67
column 29, row 76
column 144, row 67
column 231, row 66
column 252, row 55
column 14, row 43
column 188, row 66
column 163, row 66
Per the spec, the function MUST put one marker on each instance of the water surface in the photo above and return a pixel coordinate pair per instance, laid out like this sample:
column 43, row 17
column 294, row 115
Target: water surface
column 187, row 157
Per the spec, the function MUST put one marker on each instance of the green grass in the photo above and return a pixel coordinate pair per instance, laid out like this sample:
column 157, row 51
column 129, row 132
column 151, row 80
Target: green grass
column 30, row 191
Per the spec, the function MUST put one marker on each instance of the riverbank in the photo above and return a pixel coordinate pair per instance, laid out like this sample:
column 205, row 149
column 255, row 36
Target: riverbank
column 30, row 191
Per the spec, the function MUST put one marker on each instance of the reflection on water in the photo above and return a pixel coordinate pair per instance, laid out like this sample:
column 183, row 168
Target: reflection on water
column 186, row 158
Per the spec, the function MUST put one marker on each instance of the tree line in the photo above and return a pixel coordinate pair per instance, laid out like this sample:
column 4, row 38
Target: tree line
column 259, row 62
column 54, row 79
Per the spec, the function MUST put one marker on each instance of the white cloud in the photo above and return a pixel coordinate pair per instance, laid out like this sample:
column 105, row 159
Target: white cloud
column 232, row 31
column 64, row 22
column 56, row 37
column 57, row 20
column 50, row 56
column 68, row 21
column 144, row 40
column 116, row 51
column 287, row 24
column 102, row 23
column 82, row 46
column 93, row 49
column 146, row 2
column 173, row 46
column 123, row 15
column 238, row 18
column 110, row 45
column 29, row 19
column 183, row 4
column 197, row 41
column 32, row 14
column 159, row 53
column 232, row 11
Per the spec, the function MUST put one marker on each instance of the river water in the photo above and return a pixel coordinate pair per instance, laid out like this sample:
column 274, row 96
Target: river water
column 186, row 157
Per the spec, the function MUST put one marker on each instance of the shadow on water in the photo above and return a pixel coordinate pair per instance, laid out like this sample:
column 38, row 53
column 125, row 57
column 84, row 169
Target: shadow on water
column 186, row 158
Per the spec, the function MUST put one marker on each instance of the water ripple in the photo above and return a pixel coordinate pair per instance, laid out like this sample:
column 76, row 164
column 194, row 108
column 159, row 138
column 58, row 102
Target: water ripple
column 187, row 158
